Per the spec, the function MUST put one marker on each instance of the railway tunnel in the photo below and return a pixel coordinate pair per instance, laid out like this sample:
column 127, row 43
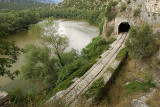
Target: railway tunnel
column 123, row 27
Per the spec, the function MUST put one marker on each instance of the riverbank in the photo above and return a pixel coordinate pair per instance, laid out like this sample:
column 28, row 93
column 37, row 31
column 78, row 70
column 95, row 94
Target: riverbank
column 80, row 34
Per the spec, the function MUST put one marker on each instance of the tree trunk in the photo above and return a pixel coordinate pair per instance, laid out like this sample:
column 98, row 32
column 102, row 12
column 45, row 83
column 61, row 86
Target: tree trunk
column 60, row 59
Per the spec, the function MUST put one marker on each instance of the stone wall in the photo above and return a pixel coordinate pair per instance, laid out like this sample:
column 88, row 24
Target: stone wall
column 4, row 99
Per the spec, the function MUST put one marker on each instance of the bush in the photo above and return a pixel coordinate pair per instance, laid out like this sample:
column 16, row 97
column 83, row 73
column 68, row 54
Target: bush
column 67, row 70
column 89, row 57
column 110, row 13
column 136, row 86
column 101, row 26
column 39, row 65
column 136, row 12
column 122, row 54
column 109, row 31
column 20, row 99
column 123, row 7
column 128, row 1
column 95, row 90
column 68, row 82
column 95, row 48
column 141, row 43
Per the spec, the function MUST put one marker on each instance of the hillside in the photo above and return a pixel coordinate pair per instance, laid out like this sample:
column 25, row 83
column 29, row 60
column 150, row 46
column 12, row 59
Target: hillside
column 145, row 73
column 31, row 1
column 119, row 68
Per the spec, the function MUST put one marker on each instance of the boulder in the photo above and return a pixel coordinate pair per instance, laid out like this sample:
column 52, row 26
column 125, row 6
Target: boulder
column 138, row 103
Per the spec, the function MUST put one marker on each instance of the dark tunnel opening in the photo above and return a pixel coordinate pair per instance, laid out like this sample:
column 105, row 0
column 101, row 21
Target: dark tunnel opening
column 123, row 27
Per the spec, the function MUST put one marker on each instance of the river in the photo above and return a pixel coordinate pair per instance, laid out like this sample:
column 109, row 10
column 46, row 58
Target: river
column 80, row 34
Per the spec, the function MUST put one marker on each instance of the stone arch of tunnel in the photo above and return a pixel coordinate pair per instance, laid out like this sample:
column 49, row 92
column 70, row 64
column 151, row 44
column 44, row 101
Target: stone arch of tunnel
column 123, row 27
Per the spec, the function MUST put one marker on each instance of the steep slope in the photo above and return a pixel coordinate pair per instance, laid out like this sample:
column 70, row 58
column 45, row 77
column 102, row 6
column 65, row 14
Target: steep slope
column 71, row 94
column 84, row 4
column 134, row 12
column 31, row 1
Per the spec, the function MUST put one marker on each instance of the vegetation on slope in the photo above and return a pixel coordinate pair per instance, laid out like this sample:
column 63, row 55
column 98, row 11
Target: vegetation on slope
column 141, row 42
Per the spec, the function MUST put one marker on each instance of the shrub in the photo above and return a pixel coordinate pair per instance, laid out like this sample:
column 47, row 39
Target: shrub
column 122, row 54
column 27, row 99
column 95, row 48
column 67, row 70
column 136, row 12
column 128, row 1
column 123, row 7
column 109, row 31
column 110, row 13
column 95, row 90
column 68, row 82
column 101, row 25
column 89, row 55
column 135, row 86
column 141, row 43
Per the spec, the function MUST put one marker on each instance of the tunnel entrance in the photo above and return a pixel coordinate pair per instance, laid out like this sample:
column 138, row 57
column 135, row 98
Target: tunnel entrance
column 123, row 27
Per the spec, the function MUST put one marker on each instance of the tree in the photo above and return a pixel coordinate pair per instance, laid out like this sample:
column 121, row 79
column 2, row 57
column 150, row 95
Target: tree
column 8, row 56
column 59, row 44
column 39, row 65
column 141, row 43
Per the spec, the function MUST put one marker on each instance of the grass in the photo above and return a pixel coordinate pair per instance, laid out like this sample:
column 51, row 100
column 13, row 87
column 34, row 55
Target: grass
column 122, row 54
column 68, row 82
column 154, row 101
column 116, row 93
column 95, row 90
column 110, row 69
column 109, row 31
column 123, row 7
column 135, row 86
column 136, row 12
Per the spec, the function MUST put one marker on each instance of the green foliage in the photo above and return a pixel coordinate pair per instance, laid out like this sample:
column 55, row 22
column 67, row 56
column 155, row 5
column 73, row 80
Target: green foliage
column 68, row 82
column 123, row 7
column 135, row 86
column 101, row 25
column 59, row 44
column 38, row 65
column 109, row 31
column 7, row 7
column 141, row 43
column 122, row 54
column 89, row 55
column 136, row 12
column 14, row 21
column 93, row 17
column 96, row 47
column 128, row 1
column 110, row 11
column 8, row 56
column 35, row 30
column 95, row 90
column 30, row 98
column 87, row 4
column 69, row 57
column 67, row 70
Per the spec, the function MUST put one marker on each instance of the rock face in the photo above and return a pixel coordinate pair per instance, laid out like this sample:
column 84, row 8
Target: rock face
column 4, row 99
column 153, row 5
column 138, row 103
